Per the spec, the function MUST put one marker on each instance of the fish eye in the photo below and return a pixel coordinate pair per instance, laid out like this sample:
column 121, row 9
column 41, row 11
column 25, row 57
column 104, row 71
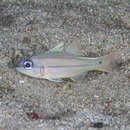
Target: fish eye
column 100, row 62
column 28, row 64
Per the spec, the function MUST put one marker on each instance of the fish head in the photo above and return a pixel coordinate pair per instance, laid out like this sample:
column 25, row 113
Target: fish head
column 31, row 67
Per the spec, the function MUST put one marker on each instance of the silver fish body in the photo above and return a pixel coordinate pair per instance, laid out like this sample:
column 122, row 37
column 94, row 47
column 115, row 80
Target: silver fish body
column 55, row 66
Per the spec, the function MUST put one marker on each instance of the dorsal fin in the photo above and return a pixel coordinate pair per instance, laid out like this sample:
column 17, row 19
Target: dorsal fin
column 71, row 49
column 59, row 48
column 74, row 46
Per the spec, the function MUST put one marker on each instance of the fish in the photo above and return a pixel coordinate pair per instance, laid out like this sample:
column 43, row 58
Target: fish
column 60, row 63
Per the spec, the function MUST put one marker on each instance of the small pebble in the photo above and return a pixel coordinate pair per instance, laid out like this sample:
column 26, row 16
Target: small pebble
column 97, row 124
column 33, row 116
column 21, row 81
column 96, row 96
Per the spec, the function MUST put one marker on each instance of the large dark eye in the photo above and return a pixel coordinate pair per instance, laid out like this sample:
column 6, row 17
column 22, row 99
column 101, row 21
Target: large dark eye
column 100, row 62
column 28, row 64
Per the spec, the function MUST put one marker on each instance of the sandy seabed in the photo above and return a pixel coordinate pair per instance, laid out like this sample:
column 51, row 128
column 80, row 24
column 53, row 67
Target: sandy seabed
column 101, row 100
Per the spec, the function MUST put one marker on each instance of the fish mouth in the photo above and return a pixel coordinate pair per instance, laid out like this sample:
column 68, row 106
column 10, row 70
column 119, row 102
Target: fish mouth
column 17, row 61
column 14, row 62
column 20, row 69
column 19, row 64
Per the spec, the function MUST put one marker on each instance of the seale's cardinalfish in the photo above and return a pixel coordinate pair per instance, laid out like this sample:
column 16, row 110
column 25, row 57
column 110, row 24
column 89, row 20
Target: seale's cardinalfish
column 59, row 63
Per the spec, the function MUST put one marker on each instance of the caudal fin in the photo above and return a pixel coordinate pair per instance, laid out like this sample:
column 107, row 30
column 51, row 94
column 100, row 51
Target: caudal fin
column 110, row 63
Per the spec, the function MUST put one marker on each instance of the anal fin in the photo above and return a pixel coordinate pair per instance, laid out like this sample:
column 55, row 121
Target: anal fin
column 55, row 80
column 80, row 76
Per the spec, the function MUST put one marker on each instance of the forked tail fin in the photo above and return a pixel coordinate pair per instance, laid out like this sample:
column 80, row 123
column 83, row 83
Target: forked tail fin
column 110, row 62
